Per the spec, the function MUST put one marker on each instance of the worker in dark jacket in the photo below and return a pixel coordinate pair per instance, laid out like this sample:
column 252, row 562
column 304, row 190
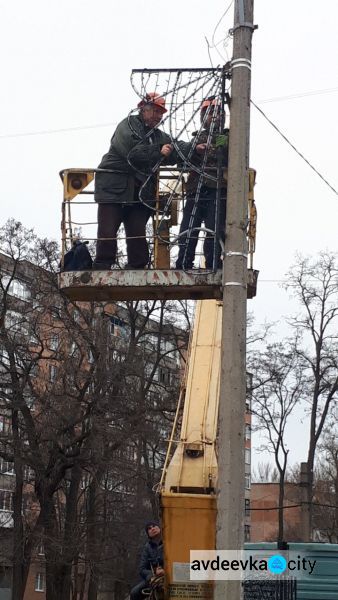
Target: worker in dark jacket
column 201, row 192
column 151, row 563
column 127, row 193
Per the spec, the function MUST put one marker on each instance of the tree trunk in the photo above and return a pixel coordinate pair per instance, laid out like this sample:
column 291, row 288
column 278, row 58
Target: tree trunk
column 53, row 583
column 70, row 541
column 281, row 508
column 92, row 540
column 18, row 585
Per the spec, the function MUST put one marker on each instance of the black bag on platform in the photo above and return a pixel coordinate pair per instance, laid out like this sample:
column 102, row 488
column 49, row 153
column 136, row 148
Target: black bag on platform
column 78, row 257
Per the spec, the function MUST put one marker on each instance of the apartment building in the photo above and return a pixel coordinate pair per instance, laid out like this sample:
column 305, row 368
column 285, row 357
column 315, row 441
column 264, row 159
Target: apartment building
column 69, row 362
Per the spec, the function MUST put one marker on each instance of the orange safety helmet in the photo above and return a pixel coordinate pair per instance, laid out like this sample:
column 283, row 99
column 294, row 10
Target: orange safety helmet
column 153, row 98
column 211, row 102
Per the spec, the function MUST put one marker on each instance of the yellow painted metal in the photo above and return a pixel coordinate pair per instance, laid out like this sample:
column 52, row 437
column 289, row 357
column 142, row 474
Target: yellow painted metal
column 194, row 463
column 189, row 519
column 189, row 523
column 252, row 217
column 75, row 180
column 161, row 245
column 174, row 211
column 168, row 184
column 189, row 482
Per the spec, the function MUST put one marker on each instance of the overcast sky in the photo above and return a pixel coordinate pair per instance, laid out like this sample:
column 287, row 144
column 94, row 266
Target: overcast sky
column 66, row 65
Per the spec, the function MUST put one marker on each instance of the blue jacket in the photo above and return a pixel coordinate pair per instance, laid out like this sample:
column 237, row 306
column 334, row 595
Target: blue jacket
column 152, row 557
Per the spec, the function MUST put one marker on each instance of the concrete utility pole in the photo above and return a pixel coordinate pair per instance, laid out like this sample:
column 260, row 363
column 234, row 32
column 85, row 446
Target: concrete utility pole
column 230, row 501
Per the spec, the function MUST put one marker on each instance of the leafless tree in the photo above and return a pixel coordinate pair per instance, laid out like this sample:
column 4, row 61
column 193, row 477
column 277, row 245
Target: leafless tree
column 325, row 513
column 313, row 282
column 277, row 389
column 88, row 413
column 265, row 472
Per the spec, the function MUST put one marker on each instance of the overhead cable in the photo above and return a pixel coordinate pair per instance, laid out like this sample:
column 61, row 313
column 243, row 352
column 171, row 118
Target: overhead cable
column 63, row 130
column 98, row 125
column 299, row 95
column 294, row 148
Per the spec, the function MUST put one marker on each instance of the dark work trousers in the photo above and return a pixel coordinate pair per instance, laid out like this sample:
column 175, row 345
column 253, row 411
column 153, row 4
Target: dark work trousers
column 136, row 592
column 204, row 212
column 134, row 218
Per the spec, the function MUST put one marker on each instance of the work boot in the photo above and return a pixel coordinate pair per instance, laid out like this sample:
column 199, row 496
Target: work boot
column 101, row 266
column 132, row 268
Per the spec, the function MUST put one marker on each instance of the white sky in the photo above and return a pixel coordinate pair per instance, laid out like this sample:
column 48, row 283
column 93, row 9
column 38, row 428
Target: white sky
column 67, row 64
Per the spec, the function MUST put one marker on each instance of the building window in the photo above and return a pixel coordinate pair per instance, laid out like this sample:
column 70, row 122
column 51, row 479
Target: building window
column 5, row 425
column 247, row 482
column 4, row 357
column 164, row 376
column 40, row 582
column 14, row 321
column 52, row 373
column 247, row 431
column 6, row 467
column 34, row 338
column 85, row 481
column 129, row 453
column 16, row 288
column 118, row 327
column 74, row 350
column 114, row 356
column 91, row 388
column 53, row 343
column 151, row 341
column 6, row 500
column 247, row 456
column 34, row 369
column 167, row 346
column 29, row 400
column 77, row 316
column 247, row 507
column 28, row 474
column 246, row 533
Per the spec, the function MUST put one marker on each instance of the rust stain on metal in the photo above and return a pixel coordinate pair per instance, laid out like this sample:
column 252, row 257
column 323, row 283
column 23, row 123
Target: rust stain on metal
column 140, row 285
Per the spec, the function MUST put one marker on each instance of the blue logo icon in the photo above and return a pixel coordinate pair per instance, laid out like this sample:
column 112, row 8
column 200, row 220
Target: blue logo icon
column 277, row 564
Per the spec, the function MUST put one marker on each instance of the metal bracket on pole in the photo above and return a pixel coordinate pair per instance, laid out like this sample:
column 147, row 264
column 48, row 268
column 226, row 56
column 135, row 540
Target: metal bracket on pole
column 241, row 62
column 239, row 25
column 234, row 283
column 230, row 253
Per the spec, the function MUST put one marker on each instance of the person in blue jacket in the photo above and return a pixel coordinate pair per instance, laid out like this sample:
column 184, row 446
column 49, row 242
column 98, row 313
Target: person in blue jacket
column 151, row 563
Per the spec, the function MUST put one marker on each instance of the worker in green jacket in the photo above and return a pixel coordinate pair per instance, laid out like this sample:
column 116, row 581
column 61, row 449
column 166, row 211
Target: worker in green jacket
column 126, row 191
column 201, row 188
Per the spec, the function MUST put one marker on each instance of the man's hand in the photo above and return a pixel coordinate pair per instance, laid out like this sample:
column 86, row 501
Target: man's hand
column 166, row 150
column 159, row 571
column 201, row 148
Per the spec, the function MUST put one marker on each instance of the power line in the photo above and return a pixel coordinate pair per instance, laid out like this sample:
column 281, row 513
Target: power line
column 63, row 130
column 98, row 125
column 320, row 504
column 294, row 148
column 299, row 95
